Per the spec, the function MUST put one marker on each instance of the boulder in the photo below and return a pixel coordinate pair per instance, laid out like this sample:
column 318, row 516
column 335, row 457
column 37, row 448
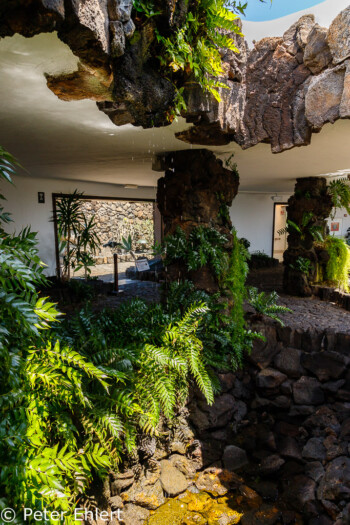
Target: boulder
column 288, row 362
column 339, row 37
column 271, row 465
column 308, row 391
column 134, row 515
column 148, row 496
column 314, row 449
column 289, row 448
column 234, row 458
column 317, row 54
column 301, row 494
column 215, row 416
column 217, row 482
column 270, row 379
column 117, row 38
column 263, row 352
column 324, row 96
column 325, row 365
column 324, row 418
column 120, row 10
column 172, row 480
column 121, row 481
column 314, row 470
column 335, row 485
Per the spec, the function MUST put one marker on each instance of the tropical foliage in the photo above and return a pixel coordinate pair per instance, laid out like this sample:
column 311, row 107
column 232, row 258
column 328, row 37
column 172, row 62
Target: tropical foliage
column 339, row 190
column 78, row 240
column 266, row 305
column 192, row 52
column 203, row 246
column 72, row 399
column 306, row 227
column 303, row 265
column 226, row 337
column 337, row 269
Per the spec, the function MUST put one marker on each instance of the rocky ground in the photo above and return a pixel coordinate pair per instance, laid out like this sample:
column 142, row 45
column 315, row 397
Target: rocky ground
column 307, row 313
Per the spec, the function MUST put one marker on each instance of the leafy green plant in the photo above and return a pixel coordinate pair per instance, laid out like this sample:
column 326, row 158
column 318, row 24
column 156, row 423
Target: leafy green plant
column 302, row 265
column 306, row 227
column 126, row 243
column 78, row 240
column 155, row 353
column 241, row 338
column 338, row 266
column 340, row 192
column 80, row 291
column 69, row 217
column 191, row 53
column 72, row 399
column 224, row 212
column 204, row 246
column 266, row 305
column 146, row 8
column 87, row 245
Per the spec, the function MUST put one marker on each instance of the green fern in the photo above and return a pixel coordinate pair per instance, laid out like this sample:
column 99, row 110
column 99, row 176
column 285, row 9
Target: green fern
column 266, row 304
column 204, row 246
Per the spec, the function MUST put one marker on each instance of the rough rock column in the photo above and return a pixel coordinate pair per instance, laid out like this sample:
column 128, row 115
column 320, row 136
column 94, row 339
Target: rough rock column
column 307, row 212
column 195, row 189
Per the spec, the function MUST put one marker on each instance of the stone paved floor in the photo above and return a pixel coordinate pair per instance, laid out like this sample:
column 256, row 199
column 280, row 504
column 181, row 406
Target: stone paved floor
column 129, row 289
column 106, row 271
column 308, row 313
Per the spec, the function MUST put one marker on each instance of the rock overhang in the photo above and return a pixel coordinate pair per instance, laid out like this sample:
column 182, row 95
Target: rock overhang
column 279, row 93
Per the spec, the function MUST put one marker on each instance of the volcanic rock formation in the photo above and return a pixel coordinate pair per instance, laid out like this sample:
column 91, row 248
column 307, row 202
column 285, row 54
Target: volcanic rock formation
column 279, row 93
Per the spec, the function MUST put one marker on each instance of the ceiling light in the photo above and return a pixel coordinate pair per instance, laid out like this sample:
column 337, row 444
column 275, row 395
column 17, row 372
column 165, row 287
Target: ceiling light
column 131, row 186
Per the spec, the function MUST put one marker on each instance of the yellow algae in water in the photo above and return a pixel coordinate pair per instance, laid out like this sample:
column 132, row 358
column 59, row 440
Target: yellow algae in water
column 193, row 518
column 171, row 513
column 219, row 513
column 197, row 502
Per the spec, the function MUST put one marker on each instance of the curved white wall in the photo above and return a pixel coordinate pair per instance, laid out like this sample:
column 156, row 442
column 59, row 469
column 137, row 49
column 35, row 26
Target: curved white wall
column 324, row 12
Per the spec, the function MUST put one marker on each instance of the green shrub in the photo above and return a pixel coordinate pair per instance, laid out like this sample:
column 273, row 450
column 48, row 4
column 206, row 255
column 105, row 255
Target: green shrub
column 338, row 266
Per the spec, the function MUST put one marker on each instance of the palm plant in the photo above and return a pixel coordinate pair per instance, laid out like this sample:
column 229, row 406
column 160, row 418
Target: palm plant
column 87, row 243
column 78, row 240
column 340, row 192
column 69, row 218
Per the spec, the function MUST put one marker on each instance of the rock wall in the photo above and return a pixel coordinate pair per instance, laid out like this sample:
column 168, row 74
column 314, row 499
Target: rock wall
column 274, row 446
column 280, row 92
column 118, row 219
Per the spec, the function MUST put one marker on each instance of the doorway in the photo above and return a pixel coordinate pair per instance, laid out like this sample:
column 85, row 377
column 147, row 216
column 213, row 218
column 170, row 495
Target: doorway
column 279, row 231
column 115, row 219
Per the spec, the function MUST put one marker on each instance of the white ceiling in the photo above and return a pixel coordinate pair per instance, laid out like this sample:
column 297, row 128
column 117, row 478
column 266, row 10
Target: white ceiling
column 74, row 140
